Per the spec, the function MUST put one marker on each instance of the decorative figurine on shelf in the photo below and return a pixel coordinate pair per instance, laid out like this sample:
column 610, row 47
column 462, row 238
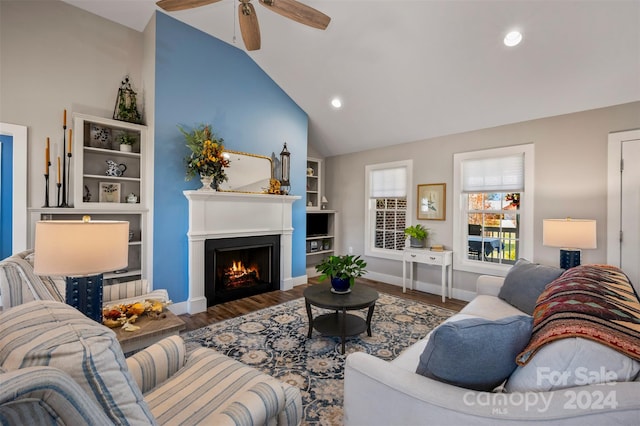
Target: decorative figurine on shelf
column 86, row 197
column 132, row 198
column 115, row 169
column 126, row 108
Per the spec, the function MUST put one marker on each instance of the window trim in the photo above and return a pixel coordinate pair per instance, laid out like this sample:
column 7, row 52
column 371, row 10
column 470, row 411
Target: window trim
column 369, row 211
column 460, row 260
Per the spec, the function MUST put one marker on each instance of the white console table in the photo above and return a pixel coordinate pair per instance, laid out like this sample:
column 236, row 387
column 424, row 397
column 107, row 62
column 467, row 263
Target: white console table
column 444, row 259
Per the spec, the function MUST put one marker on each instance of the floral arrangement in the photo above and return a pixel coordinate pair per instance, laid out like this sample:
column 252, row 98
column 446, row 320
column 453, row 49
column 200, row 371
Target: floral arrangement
column 125, row 315
column 207, row 154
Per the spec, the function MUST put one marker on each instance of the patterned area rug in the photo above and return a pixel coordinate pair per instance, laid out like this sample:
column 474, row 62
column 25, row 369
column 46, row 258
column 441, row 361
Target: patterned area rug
column 274, row 340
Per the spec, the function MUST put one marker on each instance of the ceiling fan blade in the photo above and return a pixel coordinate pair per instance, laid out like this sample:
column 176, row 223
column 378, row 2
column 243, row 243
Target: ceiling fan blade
column 174, row 5
column 249, row 27
column 299, row 12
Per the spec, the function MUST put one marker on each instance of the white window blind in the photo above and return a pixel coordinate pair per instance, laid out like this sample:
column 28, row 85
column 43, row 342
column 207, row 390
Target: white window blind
column 493, row 174
column 389, row 183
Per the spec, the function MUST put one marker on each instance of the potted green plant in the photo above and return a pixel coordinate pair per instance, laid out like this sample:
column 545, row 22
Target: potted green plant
column 418, row 235
column 343, row 271
column 126, row 141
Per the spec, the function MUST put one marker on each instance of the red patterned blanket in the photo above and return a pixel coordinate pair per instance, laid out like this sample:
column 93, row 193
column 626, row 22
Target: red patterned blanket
column 596, row 302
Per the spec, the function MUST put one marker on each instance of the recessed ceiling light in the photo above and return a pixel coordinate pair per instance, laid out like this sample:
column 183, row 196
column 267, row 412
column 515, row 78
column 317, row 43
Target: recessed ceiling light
column 513, row 38
column 336, row 103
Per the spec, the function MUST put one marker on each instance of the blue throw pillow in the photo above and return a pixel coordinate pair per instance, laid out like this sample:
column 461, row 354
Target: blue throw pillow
column 475, row 353
column 524, row 282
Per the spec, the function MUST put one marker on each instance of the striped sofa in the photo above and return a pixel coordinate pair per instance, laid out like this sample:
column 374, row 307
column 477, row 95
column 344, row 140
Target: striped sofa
column 59, row 367
column 19, row 284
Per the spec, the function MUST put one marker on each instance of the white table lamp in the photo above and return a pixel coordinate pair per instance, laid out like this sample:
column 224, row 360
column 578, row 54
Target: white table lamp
column 81, row 251
column 571, row 235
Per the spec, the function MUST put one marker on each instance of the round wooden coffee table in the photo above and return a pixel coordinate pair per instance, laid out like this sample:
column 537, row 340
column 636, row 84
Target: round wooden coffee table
column 340, row 323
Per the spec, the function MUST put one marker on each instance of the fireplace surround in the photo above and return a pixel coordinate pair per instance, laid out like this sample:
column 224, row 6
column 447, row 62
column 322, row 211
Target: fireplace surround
column 222, row 215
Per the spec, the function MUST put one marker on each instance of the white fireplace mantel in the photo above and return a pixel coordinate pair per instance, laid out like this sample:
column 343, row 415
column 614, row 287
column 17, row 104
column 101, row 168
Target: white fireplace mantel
column 215, row 214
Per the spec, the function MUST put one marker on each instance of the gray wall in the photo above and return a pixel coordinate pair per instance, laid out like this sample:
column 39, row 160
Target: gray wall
column 56, row 57
column 570, row 180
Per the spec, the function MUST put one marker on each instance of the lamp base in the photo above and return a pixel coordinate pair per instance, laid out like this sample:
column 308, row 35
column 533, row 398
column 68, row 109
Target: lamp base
column 85, row 294
column 569, row 258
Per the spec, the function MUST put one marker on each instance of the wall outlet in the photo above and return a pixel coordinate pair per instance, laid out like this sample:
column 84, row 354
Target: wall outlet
column 350, row 250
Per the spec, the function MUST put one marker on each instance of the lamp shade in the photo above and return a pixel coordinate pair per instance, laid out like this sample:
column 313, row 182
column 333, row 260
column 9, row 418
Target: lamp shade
column 80, row 248
column 569, row 233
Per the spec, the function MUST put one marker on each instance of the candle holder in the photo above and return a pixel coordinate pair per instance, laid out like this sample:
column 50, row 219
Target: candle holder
column 69, row 155
column 46, row 189
column 59, row 185
column 64, row 166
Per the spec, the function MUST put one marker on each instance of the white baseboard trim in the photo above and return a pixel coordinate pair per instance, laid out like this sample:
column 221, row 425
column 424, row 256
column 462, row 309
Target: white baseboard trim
column 302, row 279
column 179, row 308
column 431, row 288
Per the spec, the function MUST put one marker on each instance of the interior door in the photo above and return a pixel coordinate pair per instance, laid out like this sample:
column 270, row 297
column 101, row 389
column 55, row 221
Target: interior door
column 630, row 211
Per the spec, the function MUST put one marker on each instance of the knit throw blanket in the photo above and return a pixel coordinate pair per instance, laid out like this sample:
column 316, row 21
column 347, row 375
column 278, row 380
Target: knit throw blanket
column 595, row 302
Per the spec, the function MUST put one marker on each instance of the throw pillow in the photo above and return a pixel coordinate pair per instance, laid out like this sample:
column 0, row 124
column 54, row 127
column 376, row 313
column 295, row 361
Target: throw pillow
column 475, row 353
column 572, row 362
column 524, row 282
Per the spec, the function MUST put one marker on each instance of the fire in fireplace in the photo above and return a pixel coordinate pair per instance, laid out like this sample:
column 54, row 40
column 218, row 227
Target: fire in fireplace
column 241, row 267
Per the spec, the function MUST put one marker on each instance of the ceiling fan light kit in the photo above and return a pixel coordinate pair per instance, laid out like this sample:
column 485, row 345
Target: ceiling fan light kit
column 249, row 27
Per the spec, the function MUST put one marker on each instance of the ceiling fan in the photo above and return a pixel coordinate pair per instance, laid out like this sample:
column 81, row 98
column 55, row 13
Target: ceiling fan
column 249, row 26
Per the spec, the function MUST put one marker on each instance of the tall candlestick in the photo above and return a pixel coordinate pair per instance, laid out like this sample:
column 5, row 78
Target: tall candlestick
column 69, row 147
column 64, row 120
column 58, row 169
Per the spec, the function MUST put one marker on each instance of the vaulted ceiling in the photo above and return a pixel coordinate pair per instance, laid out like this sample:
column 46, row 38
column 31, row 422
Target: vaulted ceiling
column 413, row 70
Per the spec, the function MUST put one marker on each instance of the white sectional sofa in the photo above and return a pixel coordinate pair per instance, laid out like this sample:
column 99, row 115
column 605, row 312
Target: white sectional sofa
column 377, row 392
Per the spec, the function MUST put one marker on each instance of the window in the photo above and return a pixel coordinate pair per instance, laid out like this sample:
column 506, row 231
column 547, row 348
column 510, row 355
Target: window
column 493, row 208
column 388, row 199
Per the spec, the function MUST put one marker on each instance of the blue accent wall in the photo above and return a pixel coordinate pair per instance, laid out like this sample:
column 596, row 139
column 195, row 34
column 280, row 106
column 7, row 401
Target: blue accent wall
column 6, row 196
column 202, row 80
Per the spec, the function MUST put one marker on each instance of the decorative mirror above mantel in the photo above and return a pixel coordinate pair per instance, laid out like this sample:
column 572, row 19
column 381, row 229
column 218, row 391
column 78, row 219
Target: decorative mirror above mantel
column 247, row 173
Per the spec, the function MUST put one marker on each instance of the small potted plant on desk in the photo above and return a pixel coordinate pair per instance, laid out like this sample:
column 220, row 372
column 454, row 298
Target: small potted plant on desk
column 343, row 271
column 418, row 235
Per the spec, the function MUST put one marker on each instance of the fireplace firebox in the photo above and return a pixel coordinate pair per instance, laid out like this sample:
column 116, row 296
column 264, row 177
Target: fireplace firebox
column 241, row 267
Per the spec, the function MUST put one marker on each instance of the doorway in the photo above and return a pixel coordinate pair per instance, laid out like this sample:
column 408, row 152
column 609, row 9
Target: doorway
column 623, row 223
column 13, row 207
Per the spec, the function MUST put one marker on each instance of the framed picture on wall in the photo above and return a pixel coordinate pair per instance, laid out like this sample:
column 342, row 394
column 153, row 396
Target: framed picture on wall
column 109, row 192
column 432, row 201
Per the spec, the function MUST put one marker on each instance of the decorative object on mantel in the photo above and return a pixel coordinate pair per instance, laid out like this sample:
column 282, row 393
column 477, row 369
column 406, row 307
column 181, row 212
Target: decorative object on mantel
column 274, row 187
column 285, row 170
column 126, row 108
column 343, row 271
column 324, row 202
column 207, row 158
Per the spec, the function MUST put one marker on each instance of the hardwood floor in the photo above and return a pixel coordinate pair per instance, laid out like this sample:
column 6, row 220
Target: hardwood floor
column 236, row 308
